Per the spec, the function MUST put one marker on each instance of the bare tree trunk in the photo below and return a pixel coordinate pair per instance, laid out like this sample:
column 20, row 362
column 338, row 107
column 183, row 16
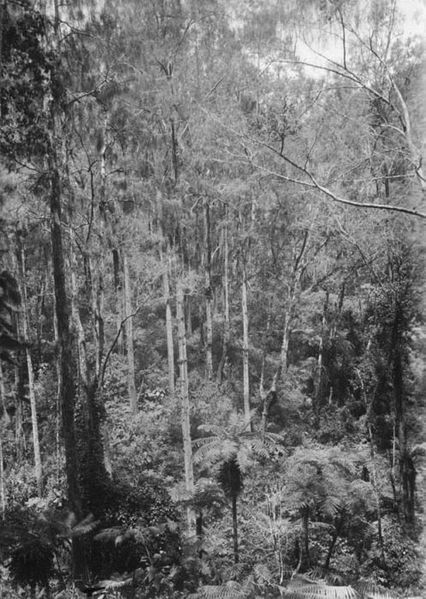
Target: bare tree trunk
column 78, row 327
column 65, row 337
column 208, row 292
column 169, row 321
column 320, row 360
column 226, row 323
column 184, row 393
column 3, row 396
column 4, row 419
column 374, row 470
column 246, row 382
column 2, row 485
column 57, row 396
column 129, row 339
column 235, row 529
column 31, row 387
column 118, row 288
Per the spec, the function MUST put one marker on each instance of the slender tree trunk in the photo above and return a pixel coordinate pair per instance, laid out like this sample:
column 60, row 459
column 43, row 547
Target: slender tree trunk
column 2, row 484
column 31, row 387
column 320, row 361
column 226, row 323
column 118, row 288
column 374, row 478
column 57, row 395
column 169, row 321
column 184, row 393
column 246, row 382
column 330, row 551
column 129, row 339
column 208, row 292
column 3, row 419
column 235, row 528
column 305, row 527
column 6, row 416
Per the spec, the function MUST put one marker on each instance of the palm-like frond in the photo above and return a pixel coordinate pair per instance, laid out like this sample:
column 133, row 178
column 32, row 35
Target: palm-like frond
column 313, row 591
column 229, row 590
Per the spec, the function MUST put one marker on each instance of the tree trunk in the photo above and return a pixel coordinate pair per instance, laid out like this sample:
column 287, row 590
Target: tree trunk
column 2, row 485
column 184, row 394
column 78, row 327
column 374, row 479
column 235, row 528
column 226, row 323
column 65, row 338
column 6, row 416
column 305, row 527
column 57, row 394
column 129, row 339
column 31, row 387
column 246, row 382
column 406, row 466
column 169, row 321
column 3, row 419
column 118, row 288
column 320, row 361
column 337, row 529
column 208, row 292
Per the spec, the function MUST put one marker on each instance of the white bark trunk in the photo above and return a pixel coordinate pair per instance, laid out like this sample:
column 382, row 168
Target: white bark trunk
column 169, row 323
column 208, row 293
column 226, row 323
column 31, row 390
column 184, row 394
column 246, row 382
column 129, row 339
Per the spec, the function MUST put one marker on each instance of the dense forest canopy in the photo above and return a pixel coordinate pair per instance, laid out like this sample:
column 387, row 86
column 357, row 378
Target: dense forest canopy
column 212, row 299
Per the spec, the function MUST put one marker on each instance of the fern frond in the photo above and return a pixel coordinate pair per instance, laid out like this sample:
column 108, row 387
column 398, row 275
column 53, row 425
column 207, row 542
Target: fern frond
column 229, row 590
column 320, row 590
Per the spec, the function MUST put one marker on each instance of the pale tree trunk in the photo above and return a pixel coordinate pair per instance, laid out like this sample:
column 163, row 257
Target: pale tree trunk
column 165, row 259
column 226, row 323
column 3, row 419
column 374, row 478
column 119, row 300
column 131, row 386
column 208, row 292
column 184, row 396
column 57, row 395
column 2, row 485
column 96, row 293
column 31, row 387
column 3, row 396
column 320, row 360
column 246, row 382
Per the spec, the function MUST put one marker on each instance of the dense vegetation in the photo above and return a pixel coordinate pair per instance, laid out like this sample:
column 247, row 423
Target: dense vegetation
column 211, row 299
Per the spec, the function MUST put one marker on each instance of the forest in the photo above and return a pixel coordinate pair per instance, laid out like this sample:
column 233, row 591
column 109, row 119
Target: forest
column 212, row 299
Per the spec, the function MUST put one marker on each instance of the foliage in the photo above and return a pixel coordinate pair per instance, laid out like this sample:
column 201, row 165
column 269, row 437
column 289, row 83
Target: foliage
column 9, row 304
column 190, row 142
